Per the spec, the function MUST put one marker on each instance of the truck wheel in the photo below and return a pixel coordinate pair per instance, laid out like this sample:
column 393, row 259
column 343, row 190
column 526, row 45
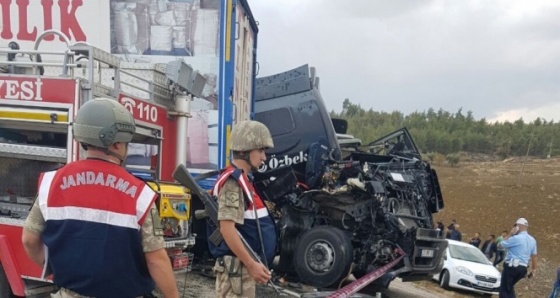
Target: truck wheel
column 5, row 290
column 323, row 256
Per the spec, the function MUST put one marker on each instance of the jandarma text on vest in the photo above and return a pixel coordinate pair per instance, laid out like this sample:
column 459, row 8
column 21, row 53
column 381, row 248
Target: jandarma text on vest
column 98, row 178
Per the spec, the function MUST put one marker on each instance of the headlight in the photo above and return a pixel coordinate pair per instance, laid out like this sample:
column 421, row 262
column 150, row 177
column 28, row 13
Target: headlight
column 464, row 271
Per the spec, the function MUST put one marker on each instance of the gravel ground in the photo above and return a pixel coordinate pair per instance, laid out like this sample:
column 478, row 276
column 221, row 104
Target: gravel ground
column 195, row 285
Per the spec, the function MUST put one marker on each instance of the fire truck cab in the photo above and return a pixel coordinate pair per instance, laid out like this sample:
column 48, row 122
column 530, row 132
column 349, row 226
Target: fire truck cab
column 40, row 93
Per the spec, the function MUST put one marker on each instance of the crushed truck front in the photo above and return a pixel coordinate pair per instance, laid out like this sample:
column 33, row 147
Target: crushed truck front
column 343, row 212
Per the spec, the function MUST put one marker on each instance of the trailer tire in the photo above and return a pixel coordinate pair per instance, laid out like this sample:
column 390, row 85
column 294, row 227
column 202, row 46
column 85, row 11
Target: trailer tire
column 323, row 256
column 5, row 289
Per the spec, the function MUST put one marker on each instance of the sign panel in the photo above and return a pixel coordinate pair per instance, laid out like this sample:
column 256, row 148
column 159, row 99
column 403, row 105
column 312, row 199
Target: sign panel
column 38, row 89
column 144, row 111
column 80, row 20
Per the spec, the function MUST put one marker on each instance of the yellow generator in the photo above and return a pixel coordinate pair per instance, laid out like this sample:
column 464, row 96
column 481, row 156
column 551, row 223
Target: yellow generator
column 174, row 205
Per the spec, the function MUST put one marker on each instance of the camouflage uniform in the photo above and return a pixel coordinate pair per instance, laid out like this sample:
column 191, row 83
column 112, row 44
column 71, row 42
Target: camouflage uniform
column 152, row 237
column 231, row 206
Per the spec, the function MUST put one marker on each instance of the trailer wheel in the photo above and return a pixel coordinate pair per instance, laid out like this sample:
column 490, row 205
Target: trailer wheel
column 5, row 289
column 323, row 256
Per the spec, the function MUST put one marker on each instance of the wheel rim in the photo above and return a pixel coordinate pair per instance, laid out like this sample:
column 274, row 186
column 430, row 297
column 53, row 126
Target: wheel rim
column 320, row 256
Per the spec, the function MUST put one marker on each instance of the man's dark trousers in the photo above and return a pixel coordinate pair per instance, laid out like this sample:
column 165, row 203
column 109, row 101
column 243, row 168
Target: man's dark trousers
column 510, row 276
column 500, row 255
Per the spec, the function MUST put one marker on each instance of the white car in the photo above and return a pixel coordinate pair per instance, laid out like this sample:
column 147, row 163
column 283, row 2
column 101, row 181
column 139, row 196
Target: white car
column 466, row 267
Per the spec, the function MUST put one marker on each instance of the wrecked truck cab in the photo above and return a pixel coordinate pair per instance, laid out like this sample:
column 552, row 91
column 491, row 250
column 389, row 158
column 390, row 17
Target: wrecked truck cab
column 343, row 211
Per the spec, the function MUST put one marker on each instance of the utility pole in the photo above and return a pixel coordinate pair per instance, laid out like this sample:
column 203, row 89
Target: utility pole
column 525, row 161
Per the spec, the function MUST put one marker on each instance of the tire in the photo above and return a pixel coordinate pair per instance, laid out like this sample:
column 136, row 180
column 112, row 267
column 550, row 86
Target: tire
column 5, row 289
column 444, row 279
column 323, row 256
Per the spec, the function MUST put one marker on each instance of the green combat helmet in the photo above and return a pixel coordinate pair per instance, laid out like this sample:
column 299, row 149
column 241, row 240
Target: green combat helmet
column 101, row 122
column 250, row 135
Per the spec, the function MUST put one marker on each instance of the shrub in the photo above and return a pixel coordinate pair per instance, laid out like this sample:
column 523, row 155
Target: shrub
column 452, row 159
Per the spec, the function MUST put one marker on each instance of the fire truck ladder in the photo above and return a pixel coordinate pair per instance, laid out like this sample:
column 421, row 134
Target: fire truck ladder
column 102, row 74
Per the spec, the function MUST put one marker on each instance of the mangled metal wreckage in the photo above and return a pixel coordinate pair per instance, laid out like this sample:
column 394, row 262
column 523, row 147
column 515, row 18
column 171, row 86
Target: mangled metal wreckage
column 343, row 211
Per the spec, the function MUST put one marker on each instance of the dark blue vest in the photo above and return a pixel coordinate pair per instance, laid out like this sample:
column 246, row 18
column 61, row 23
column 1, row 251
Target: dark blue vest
column 93, row 232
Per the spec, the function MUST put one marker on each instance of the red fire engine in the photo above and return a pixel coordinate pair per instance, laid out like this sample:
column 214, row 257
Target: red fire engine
column 40, row 93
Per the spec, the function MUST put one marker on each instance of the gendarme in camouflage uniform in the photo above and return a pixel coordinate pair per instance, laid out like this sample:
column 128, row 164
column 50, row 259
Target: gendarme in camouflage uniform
column 94, row 226
column 238, row 203
column 231, row 207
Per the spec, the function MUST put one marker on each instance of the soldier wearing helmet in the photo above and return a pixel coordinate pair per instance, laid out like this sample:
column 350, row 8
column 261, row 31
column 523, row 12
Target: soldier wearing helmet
column 99, row 220
column 241, row 209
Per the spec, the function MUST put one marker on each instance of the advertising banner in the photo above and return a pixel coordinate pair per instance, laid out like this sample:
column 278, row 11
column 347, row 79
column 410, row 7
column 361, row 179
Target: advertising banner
column 158, row 31
column 140, row 31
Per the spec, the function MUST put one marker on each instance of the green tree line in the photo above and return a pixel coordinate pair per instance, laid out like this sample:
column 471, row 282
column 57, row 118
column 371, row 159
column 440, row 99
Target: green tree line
column 445, row 132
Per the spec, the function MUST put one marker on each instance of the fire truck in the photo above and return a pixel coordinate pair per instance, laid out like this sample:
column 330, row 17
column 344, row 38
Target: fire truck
column 142, row 53
column 36, row 110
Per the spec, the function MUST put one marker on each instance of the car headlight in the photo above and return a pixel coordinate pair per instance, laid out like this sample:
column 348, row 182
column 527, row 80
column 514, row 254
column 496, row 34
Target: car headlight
column 464, row 271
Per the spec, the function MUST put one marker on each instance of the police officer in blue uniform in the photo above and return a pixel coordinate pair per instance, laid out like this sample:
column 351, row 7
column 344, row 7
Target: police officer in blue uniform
column 522, row 248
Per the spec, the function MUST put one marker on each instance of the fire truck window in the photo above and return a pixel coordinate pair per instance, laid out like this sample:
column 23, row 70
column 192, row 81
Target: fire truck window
column 36, row 138
column 18, row 177
column 140, row 155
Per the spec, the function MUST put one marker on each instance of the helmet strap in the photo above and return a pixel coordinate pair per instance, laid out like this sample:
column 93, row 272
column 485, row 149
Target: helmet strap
column 121, row 158
column 247, row 158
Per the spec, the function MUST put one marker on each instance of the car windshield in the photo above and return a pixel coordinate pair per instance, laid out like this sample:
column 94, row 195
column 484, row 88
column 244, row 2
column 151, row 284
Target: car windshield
column 467, row 253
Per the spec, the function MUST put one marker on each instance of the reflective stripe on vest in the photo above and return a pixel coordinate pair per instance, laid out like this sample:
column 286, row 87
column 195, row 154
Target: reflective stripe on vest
column 248, row 189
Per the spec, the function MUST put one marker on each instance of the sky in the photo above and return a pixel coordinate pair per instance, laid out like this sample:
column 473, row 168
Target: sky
column 499, row 59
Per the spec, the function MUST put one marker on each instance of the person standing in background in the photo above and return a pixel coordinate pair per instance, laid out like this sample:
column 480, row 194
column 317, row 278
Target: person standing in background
column 475, row 241
column 456, row 233
column 500, row 252
column 489, row 247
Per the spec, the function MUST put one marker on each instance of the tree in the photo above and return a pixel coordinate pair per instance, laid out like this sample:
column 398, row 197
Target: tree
column 444, row 132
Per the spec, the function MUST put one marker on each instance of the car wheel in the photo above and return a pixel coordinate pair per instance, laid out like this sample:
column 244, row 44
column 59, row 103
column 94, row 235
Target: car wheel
column 5, row 289
column 323, row 256
column 444, row 279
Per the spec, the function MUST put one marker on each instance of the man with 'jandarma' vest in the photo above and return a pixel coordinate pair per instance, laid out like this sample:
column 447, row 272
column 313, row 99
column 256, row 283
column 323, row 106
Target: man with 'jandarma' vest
column 95, row 226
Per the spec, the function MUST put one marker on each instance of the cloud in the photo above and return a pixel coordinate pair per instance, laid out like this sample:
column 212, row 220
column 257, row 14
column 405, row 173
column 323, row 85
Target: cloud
column 490, row 57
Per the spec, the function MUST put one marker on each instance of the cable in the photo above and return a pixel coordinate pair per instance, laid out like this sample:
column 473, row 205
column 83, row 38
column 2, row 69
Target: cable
column 185, row 279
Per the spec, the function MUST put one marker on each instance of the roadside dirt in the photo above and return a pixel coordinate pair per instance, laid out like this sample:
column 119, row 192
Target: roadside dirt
column 483, row 196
